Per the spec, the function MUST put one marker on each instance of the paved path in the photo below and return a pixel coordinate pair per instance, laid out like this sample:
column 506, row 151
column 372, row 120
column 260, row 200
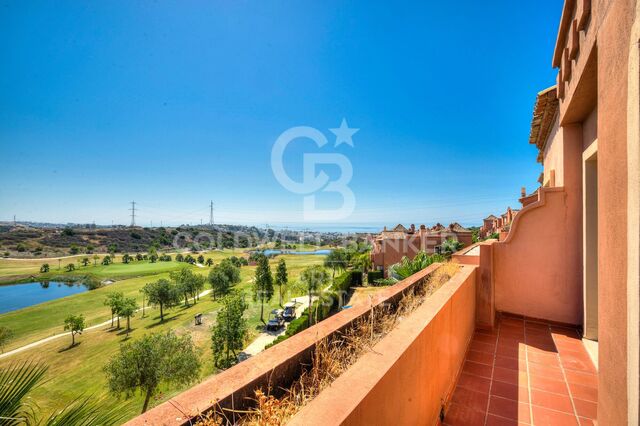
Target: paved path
column 57, row 336
column 267, row 337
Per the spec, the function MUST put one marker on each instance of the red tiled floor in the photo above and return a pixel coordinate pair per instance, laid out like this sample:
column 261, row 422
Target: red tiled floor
column 509, row 409
column 525, row 372
column 586, row 409
column 480, row 357
column 472, row 399
column 459, row 415
column 552, row 401
column 509, row 391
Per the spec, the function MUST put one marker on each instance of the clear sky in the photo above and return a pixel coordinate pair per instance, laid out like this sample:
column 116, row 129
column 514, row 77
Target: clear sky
column 174, row 104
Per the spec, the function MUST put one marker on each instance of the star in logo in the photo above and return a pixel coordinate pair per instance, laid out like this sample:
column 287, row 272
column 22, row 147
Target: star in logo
column 344, row 134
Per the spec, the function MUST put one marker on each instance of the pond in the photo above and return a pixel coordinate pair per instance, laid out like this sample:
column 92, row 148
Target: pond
column 18, row 296
column 271, row 252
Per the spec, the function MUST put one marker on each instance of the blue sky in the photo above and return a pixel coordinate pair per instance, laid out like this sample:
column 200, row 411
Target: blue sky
column 174, row 104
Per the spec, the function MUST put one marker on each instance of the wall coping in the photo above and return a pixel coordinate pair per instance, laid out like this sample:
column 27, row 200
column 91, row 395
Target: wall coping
column 334, row 404
column 231, row 387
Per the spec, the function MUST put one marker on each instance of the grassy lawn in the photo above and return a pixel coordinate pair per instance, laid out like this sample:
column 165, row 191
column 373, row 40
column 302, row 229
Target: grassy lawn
column 12, row 270
column 79, row 369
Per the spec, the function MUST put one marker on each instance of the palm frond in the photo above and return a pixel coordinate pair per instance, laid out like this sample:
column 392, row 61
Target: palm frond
column 16, row 381
column 87, row 411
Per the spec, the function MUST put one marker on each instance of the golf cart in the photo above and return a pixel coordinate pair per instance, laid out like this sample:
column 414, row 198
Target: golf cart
column 289, row 313
column 275, row 322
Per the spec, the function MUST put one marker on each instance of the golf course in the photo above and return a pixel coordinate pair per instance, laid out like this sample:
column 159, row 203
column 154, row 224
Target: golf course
column 77, row 370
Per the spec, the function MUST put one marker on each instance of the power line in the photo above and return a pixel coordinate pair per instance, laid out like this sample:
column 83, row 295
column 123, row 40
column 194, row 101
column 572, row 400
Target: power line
column 133, row 213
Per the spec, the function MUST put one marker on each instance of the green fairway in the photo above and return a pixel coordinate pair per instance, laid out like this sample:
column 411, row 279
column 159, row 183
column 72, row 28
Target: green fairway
column 14, row 270
column 79, row 369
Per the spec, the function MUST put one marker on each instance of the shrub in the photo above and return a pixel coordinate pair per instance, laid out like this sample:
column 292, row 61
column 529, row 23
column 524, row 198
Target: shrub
column 372, row 276
column 356, row 277
column 383, row 282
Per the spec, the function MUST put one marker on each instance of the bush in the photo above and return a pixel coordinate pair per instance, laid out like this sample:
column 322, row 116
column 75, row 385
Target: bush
column 383, row 282
column 356, row 278
column 372, row 276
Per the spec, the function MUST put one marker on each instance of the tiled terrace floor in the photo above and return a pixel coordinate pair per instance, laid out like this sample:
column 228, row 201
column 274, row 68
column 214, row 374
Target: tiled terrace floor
column 525, row 372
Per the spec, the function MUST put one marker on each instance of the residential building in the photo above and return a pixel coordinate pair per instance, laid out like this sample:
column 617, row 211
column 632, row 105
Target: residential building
column 390, row 246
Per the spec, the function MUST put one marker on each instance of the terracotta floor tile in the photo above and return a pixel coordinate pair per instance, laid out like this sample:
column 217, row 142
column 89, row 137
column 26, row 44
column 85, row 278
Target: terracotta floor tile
column 510, row 376
column 485, row 338
column 482, row 347
column 548, row 385
column 567, row 344
column 510, row 391
column 544, row 371
column 577, row 360
column 511, row 322
column 477, row 369
column 586, row 393
column 586, row 422
column 586, row 409
column 547, row 359
column 471, row 399
column 512, row 363
column 511, row 350
column 581, row 378
column 480, row 357
column 563, row 331
column 459, row 415
column 552, row 401
column 545, row 417
column 474, row 383
column 493, row 420
column 522, row 363
column 509, row 409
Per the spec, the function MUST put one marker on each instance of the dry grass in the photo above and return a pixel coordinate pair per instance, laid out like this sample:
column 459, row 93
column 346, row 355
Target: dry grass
column 332, row 357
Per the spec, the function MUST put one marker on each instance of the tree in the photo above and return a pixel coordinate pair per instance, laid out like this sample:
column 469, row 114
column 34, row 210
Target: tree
column 179, row 257
column 6, row 334
column 230, row 331
column 282, row 277
column 75, row 324
column 209, row 262
column 314, row 277
column 128, row 308
column 336, row 260
column 17, row 380
column 74, row 249
column 95, row 259
column 263, row 284
column 162, row 293
column 201, row 259
column 138, row 257
column 126, row 258
column 107, row 260
column 114, row 302
column 451, row 246
column 70, row 267
column 154, row 359
column 188, row 283
column 112, row 249
column 44, row 268
column 223, row 277
column 85, row 261
column 153, row 258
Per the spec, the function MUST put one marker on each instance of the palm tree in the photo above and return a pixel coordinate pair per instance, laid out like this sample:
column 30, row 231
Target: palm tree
column 19, row 379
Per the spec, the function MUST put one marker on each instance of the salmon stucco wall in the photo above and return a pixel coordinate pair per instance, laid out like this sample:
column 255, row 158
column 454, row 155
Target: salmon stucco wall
column 410, row 373
column 537, row 269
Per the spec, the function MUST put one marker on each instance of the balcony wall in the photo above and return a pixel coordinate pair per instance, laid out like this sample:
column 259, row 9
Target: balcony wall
column 410, row 374
column 537, row 269
column 281, row 363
